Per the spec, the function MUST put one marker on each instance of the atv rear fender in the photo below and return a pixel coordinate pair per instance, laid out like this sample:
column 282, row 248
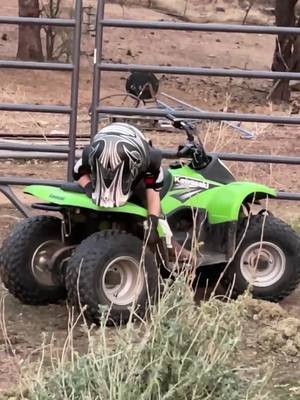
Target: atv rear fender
column 57, row 196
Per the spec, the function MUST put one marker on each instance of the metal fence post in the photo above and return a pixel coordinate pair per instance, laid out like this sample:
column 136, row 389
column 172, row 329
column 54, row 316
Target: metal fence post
column 74, row 89
column 97, row 60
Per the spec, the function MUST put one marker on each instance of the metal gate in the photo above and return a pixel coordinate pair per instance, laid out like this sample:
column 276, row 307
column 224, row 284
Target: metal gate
column 70, row 110
column 97, row 109
column 99, row 65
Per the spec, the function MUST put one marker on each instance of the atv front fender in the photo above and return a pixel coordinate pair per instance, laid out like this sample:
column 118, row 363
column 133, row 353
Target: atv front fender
column 223, row 203
column 61, row 197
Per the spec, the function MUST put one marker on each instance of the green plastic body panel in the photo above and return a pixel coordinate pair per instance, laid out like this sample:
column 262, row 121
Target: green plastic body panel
column 60, row 197
column 222, row 202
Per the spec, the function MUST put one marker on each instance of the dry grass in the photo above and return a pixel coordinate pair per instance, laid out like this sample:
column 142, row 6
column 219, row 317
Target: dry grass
column 181, row 352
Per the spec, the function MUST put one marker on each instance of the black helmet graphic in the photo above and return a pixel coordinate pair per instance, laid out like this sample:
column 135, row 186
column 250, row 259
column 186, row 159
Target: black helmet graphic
column 120, row 155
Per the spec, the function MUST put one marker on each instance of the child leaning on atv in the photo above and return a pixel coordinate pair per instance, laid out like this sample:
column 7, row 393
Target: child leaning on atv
column 111, row 167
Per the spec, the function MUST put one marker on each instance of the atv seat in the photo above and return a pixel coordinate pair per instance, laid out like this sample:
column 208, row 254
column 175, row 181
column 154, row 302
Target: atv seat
column 72, row 187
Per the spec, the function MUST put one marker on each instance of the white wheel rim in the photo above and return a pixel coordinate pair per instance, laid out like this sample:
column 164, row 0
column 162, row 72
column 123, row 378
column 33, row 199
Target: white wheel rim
column 123, row 280
column 263, row 264
column 40, row 262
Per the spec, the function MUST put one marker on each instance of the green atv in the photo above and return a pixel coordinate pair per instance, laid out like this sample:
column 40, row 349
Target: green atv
column 96, row 256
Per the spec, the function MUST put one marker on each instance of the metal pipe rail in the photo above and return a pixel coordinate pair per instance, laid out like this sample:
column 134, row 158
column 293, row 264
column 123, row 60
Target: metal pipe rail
column 288, row 196
column 20, row 155
column 213, row 116
column 44, row 153
column 258, row 158
column 36, row 65
column 68, row 23
column 17, row 181
column 192, row 26
column 35, row 147
column 71, row 110
column 170, row 154
column 35, row 108
column 216, row 72
column 13, row 198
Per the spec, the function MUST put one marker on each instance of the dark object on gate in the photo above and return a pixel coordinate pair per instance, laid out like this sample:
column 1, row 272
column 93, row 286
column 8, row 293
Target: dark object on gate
column 144, row 85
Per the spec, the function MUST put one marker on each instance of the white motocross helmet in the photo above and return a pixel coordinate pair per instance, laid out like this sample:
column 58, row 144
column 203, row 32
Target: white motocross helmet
column 120, row 155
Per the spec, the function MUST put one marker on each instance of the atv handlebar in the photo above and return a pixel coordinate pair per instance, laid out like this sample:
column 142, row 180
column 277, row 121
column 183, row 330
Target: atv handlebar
column 183, row 125
column 192, row 150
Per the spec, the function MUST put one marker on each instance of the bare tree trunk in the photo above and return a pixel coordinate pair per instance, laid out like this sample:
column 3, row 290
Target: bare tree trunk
column 296, row 53
column 30, row 45
column 283, row 55
column 51, row 11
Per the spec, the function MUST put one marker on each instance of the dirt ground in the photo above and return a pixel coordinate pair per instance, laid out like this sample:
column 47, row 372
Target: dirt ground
column 24, row 325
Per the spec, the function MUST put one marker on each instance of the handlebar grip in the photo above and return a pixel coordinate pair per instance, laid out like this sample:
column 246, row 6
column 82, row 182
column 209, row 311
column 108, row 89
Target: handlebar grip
column 185, row 151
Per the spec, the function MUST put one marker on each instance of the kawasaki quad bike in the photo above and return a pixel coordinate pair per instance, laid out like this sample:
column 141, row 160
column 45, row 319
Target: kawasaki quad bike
column 96, row 256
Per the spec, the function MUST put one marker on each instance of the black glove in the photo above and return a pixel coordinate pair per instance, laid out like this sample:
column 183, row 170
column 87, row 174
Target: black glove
column 88, row 189
column 152, row 236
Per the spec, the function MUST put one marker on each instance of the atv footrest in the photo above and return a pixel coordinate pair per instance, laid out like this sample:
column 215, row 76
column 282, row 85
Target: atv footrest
column 47, row 207
column 211, row 257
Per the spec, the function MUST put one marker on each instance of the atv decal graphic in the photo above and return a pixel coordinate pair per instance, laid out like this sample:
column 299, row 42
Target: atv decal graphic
column 186, row 195
column 182, row 182
column 185, row 188
column 55, row 197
